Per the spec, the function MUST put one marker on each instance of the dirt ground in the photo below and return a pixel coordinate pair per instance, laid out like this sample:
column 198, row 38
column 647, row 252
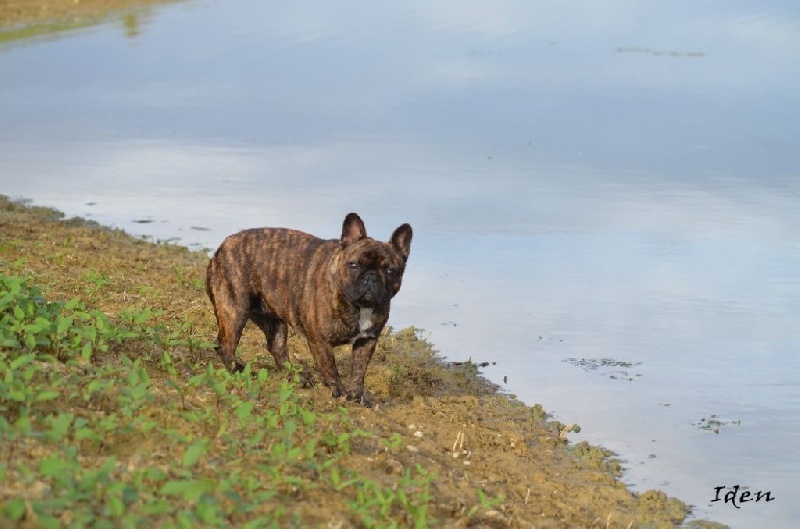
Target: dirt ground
column 451, row 421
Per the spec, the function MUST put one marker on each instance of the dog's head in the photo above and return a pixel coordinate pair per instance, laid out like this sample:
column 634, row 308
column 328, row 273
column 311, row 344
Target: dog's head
column 369, row 272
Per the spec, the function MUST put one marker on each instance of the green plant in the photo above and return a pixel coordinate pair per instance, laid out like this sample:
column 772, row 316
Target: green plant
column 393, row 442
column 104, row 418
column 484, row 503
column 64, row 330
column 407, row 500
column 94, row 283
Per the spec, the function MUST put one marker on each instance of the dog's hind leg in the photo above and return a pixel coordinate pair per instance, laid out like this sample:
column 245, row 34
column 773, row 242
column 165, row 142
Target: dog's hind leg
column 230, row 332
column 276, row 333
column 231, row 319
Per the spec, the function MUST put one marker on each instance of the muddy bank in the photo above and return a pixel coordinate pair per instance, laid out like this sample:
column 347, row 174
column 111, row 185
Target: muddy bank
column 431, row 415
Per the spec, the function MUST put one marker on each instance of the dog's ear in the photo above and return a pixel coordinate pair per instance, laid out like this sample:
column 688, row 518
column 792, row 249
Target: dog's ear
column 401, row 240
column 352, row 229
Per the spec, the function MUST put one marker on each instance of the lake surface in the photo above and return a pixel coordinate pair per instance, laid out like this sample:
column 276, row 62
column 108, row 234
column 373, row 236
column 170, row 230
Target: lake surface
column 605, row 195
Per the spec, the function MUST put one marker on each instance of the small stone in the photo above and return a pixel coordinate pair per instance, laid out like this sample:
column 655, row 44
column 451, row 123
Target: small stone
column 393, row 466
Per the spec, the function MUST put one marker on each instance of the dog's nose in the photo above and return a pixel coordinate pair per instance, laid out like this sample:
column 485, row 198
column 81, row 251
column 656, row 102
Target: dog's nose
column 371, row 286
column 370, row 278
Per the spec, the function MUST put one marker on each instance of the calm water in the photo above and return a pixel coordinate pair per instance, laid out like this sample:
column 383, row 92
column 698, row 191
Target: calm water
column 586, row 181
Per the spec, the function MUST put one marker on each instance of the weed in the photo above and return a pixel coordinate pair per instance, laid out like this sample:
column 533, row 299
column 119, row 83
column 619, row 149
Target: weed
column 100, row 429
column 484, row 503
column 94, row 283
column 405, row 503
column 393, row 442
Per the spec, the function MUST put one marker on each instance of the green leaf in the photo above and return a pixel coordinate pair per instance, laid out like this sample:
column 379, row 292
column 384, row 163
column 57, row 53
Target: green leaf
column 47, row 395
column 60, row 423
column 14, row 509
column 194, row 452
column 21, row 361
column 33, row 328
column 154, row 474
column 9, row 343
column 142, row 316
column 42, row 323
column 116, row 507
column 244, row 410
column 15, row 395
column 94, row 387
column 62, row 324
column 176, row 487
column 48, row 522
column 23, row 425
column 189, row 489
column 53, row 466
column 81, row 434
column 71, row 304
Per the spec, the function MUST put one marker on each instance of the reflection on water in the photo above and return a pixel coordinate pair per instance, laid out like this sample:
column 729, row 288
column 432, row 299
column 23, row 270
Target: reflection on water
column 609, row 184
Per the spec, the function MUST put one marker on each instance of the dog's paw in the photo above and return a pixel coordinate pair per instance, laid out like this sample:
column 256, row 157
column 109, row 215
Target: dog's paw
column 235, row 366
column 306, row 380
column 359, row 397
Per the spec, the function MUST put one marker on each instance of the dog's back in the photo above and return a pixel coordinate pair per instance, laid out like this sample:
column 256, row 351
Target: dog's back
column 258, row 268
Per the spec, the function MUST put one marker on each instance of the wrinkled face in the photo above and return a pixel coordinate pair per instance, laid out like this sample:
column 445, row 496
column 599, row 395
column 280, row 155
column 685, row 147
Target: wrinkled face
column 372, row 272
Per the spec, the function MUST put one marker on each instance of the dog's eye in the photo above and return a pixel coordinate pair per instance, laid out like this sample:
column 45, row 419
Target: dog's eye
column 352, row 265
column 391, row 270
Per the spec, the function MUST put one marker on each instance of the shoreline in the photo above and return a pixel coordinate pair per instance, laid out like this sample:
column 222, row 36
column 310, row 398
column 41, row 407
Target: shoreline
column 431, row 415
column 22, row 13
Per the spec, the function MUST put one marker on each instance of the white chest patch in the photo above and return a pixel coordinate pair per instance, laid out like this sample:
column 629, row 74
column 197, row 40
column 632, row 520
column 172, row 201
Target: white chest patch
column 364, row 320
column 365, row 323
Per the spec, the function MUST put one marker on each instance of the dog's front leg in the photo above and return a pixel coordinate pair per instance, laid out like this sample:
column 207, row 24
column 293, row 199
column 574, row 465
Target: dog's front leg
column 326, row 364
column 362, row 353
